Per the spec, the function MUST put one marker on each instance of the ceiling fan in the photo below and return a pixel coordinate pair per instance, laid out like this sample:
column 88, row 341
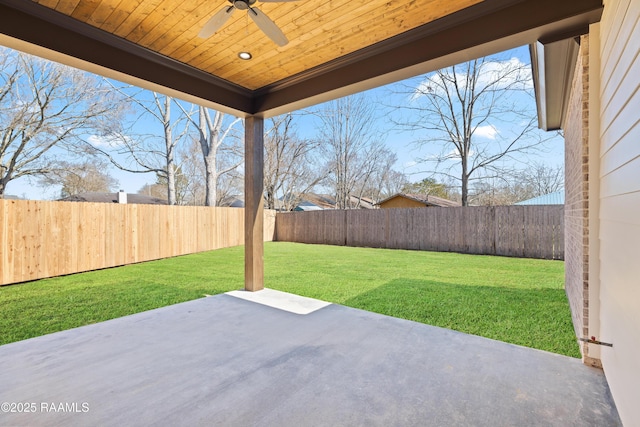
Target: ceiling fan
column 260, row 18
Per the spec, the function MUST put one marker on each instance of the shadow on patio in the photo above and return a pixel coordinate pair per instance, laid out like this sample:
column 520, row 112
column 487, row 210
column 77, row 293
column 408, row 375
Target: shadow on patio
column 225, row 360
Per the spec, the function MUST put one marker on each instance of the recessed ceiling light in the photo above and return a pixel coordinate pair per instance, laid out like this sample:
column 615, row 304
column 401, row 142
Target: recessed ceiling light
column 245, row 55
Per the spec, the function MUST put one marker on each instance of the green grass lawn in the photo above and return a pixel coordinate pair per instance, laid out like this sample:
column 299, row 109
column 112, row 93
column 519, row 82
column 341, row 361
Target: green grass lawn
column 521, row 301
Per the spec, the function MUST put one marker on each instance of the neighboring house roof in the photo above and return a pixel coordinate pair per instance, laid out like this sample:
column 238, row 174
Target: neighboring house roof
column 139, row 199
column 307, row 208
column 425, row 199
column 365, row 202
column 11, row 197
column 232, row 202
column 312, row 201
column 556, row 198
column 321, row 201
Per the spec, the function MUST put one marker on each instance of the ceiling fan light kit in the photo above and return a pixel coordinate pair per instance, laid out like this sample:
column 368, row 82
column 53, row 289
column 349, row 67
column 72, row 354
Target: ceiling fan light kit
column 264, row 23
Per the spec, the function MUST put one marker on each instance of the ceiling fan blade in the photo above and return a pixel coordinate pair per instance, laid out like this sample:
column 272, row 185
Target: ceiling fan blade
column 216, row 22
column 277, row 1
column 268, row 26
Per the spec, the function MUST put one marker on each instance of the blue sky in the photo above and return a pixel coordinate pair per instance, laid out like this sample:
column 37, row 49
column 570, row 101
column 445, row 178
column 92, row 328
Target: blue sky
column 399, row 141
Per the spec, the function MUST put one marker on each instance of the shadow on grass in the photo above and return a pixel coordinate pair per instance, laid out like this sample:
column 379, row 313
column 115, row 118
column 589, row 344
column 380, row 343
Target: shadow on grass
column 537, row 318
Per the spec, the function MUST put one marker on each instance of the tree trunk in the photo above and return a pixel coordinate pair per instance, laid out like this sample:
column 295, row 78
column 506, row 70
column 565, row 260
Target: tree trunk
column 171, row 184
column 465, row 182
column 5, row 178
column 211, row 189
column 209, row 134
column 168, row 138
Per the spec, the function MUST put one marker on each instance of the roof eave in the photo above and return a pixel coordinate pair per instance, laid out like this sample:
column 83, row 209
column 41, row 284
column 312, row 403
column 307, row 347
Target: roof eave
column 484, row 29
column 35, row 29
column 481, row 30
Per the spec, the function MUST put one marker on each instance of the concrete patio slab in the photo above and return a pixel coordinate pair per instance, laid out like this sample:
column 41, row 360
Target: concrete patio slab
column 228, row 361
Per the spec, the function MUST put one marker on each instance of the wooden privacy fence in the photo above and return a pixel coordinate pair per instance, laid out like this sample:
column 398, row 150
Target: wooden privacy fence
column 44, row 239
column 518, row 231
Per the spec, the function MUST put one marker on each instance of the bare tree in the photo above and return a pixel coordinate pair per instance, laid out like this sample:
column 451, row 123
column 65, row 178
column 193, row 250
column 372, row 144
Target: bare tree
column 228, row 183
column 181, row 185
column 380, row 180
column 384, row 181
column 190, row 178
column 192, row 168
column 498, row 192
column 536, row 180
column 428, row 186
column 220, row 147
column 289, row 171
column 136, row 152
column 390, row 183
column 352, row 146
column 45, row 108
column 83, row 177
column 460, row 109
column 159, row 191
column 230, row 188
column 543, row 179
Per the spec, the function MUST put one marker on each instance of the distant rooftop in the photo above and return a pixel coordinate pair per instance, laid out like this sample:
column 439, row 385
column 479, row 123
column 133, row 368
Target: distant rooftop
column 93, row 197
column 556, row 198
column 425, row 199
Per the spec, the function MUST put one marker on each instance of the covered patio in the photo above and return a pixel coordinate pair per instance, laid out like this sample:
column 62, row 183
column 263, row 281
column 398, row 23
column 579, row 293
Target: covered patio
column 232, row 360
column 276, row 359
column 335, row 48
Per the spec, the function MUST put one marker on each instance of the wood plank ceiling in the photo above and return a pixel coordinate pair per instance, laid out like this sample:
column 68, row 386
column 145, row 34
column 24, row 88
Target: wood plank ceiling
column 336, row 47
column 319, row 31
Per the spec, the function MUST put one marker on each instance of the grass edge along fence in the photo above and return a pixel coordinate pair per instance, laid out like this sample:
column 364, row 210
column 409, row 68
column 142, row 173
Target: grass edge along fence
column 516, row 231
column 40, row 239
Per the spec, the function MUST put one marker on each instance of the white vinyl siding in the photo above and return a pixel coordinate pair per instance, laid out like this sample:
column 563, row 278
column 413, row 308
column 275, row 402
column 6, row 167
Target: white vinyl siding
column 620, row 202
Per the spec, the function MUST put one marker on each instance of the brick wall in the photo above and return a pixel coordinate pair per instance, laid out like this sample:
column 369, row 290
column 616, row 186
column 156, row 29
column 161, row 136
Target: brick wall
column 576, row 132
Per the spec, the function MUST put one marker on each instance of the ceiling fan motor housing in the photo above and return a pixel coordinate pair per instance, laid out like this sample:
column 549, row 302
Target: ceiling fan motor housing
column 243, row 4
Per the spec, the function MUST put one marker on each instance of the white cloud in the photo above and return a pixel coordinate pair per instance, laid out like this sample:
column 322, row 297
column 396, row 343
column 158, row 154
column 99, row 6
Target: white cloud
column 104, row 141
column 455, row 154
column 410, row 164
column 508, row 73
column 488, row 132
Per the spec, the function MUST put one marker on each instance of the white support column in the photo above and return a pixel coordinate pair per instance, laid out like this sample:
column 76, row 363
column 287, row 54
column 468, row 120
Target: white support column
column 253, row 204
